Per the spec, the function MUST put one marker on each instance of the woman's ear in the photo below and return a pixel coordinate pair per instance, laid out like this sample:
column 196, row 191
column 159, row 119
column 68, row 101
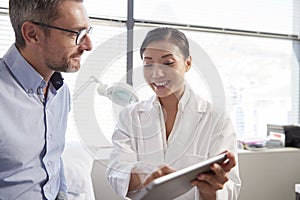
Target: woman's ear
column 30, row 32
column 188, row 63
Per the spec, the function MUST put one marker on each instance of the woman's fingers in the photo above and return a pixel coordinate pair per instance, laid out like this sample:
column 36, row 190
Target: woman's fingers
column 230, row 162
column 164, row 170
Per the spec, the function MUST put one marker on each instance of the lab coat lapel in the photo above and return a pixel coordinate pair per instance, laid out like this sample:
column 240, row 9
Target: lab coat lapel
column 151, row 145
column 184, row 137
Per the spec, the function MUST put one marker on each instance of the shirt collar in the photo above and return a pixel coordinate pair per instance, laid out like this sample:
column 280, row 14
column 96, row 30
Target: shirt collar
column 184, row 99
column 57, row 80
column 25, row 74
column 189, row 97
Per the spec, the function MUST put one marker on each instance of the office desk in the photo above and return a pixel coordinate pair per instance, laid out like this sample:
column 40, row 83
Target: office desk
column 269, row 174
column 266, row 175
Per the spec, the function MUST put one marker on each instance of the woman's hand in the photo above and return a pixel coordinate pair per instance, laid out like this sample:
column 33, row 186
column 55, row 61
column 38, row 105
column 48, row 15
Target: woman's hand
column 164, row 170
column 209, row 183
column 137, row 180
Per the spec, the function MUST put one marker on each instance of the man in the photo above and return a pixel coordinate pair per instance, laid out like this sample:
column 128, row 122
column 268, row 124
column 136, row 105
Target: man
column 51, row 36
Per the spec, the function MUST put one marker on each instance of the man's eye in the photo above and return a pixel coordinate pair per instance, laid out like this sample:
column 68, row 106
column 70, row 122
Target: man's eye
column 72, row 35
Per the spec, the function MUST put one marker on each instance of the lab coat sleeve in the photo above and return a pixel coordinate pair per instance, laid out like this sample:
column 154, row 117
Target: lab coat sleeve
column 123, row 157
column 224, row 138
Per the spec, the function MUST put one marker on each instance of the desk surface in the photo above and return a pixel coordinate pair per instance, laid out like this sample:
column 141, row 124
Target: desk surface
column 270, row 150
column 269, row 174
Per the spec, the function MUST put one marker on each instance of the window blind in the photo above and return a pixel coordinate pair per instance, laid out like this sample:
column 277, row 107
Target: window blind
column 274, row 16
column 3, row 3
column 247, row 65
column 7, row 34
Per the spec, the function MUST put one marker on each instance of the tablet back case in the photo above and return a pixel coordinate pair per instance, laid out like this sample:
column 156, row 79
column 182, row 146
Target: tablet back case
column 177, row 183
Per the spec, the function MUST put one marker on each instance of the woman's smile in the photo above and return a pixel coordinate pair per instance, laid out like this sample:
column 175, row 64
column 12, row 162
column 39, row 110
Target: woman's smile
column 161, row 84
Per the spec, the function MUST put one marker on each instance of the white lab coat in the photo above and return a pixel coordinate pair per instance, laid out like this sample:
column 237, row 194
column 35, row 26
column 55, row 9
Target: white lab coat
column 198, row 133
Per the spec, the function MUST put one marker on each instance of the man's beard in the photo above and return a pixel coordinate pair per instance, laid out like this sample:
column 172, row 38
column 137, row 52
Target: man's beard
column 65, row 67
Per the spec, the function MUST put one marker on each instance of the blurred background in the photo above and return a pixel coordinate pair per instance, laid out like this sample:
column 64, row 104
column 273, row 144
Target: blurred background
column 254, row 45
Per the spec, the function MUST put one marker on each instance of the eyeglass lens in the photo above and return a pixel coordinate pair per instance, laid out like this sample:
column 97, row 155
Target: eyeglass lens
column 82, row 34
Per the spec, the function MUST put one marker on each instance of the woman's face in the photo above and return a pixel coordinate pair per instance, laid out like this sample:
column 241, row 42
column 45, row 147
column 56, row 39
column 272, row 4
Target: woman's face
column 164, row 68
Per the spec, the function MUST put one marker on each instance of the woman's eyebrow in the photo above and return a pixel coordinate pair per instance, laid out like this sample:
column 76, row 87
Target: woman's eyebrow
column 164, row 56
column 167, row 55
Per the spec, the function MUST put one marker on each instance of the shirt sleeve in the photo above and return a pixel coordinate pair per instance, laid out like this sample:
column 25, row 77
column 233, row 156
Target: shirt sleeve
column 63, row 183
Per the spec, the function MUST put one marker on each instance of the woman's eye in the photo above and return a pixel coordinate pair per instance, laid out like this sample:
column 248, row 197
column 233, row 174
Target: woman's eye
column 169, row 63
column 148, row 65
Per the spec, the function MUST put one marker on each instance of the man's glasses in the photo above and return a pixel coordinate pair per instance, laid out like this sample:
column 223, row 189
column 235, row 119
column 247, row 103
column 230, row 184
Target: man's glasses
column 79, row 34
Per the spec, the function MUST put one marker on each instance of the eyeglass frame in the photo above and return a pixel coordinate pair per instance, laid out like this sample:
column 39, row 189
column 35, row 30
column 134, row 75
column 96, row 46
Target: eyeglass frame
column 87, row 31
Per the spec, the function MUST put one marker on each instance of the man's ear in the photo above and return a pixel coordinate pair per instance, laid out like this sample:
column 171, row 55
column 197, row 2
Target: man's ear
column 30, row 32
column 188, row 63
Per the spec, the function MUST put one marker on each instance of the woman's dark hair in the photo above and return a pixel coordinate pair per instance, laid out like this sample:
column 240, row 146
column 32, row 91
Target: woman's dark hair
column 171, row 35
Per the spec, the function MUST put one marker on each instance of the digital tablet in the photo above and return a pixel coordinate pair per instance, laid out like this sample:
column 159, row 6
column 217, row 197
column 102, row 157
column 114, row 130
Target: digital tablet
column 177, row 183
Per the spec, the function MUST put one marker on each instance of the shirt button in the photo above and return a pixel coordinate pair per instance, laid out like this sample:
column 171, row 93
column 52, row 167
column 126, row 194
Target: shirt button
column 49, row 136
column 49, row 163
column 30, row 92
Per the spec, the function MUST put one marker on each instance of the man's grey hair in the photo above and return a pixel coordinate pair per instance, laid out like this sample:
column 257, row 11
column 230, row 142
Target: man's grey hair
column 44, row 11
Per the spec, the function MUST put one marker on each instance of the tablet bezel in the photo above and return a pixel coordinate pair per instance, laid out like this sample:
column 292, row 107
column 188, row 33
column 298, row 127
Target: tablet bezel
column 177, row 183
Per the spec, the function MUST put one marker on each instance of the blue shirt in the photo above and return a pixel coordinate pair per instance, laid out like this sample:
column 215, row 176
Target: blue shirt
column 32, row 131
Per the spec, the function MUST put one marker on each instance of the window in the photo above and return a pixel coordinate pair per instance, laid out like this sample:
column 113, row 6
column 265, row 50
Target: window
column 7, row 34
column 257, row 75
column 275, row 16
column 260, row 75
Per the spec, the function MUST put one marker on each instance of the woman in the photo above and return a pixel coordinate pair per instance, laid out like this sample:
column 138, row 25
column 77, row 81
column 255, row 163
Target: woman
column 173, row 129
